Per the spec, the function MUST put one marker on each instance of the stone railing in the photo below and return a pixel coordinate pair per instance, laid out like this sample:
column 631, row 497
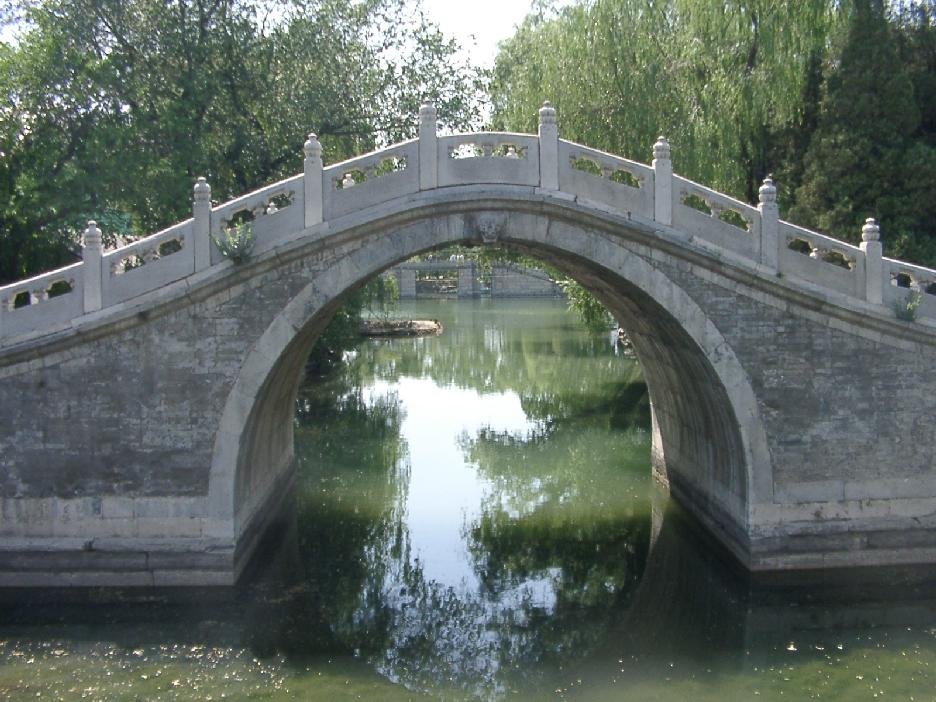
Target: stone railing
column 146, row 264
column 43, row 302
column 307, row 204
column 371, row 179
column 608, row 181
column 904, row 281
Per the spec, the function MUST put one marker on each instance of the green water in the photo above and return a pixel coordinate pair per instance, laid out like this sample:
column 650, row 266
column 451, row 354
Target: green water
column 474, row 519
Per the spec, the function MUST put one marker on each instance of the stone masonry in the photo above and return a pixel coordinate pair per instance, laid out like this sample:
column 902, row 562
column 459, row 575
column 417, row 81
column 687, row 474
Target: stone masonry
column 146, row 415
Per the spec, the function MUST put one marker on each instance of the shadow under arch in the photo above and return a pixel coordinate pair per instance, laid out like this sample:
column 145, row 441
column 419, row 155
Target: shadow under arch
column 709, row 444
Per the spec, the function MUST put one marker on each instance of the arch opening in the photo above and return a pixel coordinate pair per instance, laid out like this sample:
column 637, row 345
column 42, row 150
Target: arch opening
column 708, row 444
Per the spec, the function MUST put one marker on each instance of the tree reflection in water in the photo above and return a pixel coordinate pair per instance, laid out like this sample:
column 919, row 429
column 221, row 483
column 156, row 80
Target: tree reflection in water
column 557, row 592
column 557, row 544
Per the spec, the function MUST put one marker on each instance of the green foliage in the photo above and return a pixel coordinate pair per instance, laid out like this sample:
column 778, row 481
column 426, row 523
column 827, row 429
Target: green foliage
column 381, row 296
column 906, row 308
column 594, row 315
column 343, row 332
column 236, row 243
column 116, row 107
column 837, row 99
column 717, row 78
column 864, row 158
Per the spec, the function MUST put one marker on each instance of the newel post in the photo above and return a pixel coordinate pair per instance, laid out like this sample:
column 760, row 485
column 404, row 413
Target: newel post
column 312, row 181
column 874, row 264
column 662, row 182
column 91, row 255
column 201, row 226
column 548, row 147
column 770, row 223
column 428, row 147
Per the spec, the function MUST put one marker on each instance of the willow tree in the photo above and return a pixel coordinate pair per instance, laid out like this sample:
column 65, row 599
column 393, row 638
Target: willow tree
column 721, row 80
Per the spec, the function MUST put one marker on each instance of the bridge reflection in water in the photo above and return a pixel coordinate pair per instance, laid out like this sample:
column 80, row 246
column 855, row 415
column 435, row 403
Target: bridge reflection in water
column 551, row 564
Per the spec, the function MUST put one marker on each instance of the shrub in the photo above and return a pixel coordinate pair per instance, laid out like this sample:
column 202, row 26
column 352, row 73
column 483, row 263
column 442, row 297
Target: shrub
column 236, row 243
column 906, row 309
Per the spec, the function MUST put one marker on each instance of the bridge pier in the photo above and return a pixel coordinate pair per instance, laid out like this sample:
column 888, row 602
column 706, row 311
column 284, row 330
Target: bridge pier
column 467, row 280
column 406, row 283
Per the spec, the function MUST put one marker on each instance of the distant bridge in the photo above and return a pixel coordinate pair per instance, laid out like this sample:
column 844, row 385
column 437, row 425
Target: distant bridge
column 506, row 279
column 147, row 393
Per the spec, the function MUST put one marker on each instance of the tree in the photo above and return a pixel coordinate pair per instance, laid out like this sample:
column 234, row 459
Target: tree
column 864, row 159
column 111, row 108
column 724, row 81
column 721, row 80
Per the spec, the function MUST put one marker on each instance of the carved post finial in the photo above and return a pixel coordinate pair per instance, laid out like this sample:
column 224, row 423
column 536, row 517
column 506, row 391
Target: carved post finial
column 768, row 191
column 91, row 255
column 662, row 182
column 548, row 147
column 92, row 237
column 870, row 231
column 202, row 190
column 312, row 147
column 427, row 112
column 428, row 147
column 547, row 113
column 201, row 224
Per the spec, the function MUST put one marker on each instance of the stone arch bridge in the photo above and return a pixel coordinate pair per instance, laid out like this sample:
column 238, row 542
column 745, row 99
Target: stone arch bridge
column 147, row 393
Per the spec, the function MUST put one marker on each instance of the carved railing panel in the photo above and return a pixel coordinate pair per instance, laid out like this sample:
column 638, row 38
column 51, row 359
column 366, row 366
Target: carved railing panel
column 41, row 302
column 626, row 186
column 272, row 213
column 903, row 281
column 821, row 260
column 147, row 264
column 488, row 157
column 717, row 218
column 371, row 179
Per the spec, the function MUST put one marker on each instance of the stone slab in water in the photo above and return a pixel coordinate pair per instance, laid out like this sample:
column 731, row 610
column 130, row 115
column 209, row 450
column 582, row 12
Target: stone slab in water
column 401, row 327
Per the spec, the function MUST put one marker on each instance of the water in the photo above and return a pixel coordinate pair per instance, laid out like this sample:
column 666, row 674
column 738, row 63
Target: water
column 474, row 519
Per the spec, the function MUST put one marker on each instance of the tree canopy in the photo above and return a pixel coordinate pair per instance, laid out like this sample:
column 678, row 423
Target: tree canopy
column 111, row 108
column 837, row 99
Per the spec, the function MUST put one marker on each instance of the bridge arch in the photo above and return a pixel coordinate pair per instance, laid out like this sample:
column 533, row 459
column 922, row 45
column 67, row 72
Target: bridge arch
column 145, row 410
column 709, row 442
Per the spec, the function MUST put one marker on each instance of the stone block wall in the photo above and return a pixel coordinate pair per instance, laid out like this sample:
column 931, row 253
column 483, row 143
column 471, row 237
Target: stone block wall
column 517, row 281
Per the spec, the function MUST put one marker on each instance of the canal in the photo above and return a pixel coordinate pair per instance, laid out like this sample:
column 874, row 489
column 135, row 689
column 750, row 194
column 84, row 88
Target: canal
column 474, row 518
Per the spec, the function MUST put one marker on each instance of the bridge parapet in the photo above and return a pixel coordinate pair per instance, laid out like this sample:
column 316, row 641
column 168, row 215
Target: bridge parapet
column 306, row 204
column 146, row 264
column 375, row 178
column 606, row 179
column 489, row 157
column 821, row 260
column 716, row 218
column 902, row 279
column 43, row 302
column 272, row 212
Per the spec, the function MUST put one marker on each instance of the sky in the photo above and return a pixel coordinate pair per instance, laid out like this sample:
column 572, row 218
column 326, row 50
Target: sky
column 478, row 24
